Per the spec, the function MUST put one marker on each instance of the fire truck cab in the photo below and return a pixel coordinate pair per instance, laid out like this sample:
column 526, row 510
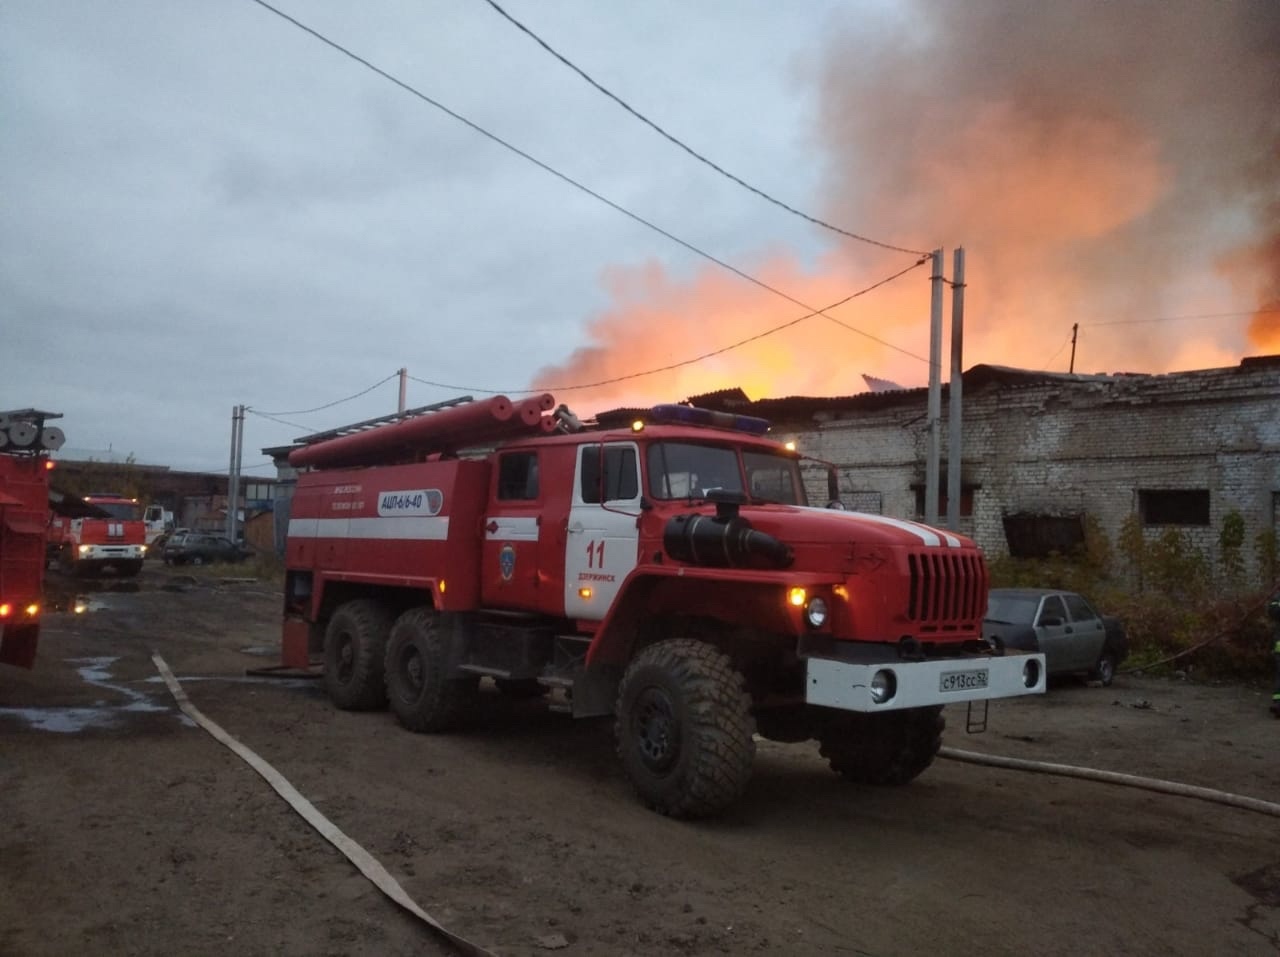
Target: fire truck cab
column 667, row 571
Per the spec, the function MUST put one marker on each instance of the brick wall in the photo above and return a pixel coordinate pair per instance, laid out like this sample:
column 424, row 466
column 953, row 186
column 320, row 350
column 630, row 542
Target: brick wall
column 1060, row 445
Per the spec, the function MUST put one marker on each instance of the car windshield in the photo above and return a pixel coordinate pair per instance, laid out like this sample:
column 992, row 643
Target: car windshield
column 1012, row 610
column 693, row 470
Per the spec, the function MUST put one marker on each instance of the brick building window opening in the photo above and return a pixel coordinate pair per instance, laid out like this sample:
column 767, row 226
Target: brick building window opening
column 966, row 501
column 1030, row 535
column 1173, row 506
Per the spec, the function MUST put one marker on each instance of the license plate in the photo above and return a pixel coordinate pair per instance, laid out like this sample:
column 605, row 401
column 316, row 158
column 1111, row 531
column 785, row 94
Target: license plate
column 962, row 680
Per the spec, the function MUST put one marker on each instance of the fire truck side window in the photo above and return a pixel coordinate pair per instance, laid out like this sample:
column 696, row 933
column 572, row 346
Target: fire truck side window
column 518, row 476
column 621, row 477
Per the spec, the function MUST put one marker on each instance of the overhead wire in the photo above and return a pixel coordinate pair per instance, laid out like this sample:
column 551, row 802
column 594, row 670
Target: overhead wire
column 264, row 415
column 1206, row 315
column 327, row 405
column 695, row 359
column 564, row 177
column 688, row 149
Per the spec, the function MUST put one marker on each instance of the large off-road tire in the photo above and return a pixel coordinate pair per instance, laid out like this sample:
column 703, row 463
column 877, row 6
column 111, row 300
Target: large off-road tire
column 684, row 728
column 354, row 643
column 886, row 748
column 419, row 688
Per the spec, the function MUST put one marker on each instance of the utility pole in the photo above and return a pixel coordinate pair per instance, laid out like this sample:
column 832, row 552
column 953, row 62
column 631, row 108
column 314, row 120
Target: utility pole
column 404, row 378
column 931, row 465
column 233, row 473
column 1075, row 327
column 953, row 421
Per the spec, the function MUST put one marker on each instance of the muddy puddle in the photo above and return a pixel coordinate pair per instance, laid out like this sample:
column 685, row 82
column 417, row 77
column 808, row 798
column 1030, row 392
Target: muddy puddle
column 106, row 713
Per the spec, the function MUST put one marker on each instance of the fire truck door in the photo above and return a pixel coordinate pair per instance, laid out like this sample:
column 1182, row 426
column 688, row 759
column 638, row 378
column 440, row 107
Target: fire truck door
column 512, row 532
column 603, row 538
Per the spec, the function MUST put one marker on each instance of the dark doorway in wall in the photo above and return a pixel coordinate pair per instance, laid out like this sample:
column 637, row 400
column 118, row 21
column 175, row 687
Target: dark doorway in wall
column 1031, row 535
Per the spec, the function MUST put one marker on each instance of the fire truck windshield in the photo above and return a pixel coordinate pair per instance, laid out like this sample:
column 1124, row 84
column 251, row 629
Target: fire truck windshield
column 691, row 470
column 124, row 511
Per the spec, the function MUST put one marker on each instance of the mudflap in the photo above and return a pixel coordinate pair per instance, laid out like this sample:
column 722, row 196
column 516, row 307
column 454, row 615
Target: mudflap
column 18, row 645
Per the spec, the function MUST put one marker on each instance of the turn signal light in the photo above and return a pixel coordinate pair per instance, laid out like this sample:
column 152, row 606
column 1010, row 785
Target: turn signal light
column 797, row 596
column 584, row 593
column 32, row 610
column 5, row 609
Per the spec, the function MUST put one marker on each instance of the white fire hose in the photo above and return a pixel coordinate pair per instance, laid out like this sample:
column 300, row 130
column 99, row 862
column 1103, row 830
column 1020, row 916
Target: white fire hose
column 1115, row 777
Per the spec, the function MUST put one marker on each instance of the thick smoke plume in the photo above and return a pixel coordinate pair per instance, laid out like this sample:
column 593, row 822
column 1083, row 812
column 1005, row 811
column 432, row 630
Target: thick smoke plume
column 1103, row 162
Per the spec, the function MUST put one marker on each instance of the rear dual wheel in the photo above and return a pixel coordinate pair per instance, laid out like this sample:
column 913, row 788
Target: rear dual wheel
column 420, row 689
column 354, row 643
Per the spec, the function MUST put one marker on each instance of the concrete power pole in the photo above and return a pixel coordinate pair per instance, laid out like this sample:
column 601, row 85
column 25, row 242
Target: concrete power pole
column 932, row 452
column 404, row 377
column 954, row 491
column 233, row 473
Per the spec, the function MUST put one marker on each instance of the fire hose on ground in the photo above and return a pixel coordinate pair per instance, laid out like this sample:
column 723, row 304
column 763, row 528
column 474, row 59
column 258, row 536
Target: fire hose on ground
column 1115, row 777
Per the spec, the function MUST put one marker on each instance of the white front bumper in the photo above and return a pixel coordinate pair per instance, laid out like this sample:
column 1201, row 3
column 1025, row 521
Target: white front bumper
column 839, row 684
column 109, row 553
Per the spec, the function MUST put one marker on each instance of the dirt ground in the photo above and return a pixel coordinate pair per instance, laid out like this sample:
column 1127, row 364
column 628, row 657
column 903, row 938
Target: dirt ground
column 126, row 829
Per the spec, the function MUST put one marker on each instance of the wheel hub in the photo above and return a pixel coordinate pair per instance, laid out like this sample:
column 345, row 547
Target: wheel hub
column 412, row 669
column 346, row 658
column 657, row 729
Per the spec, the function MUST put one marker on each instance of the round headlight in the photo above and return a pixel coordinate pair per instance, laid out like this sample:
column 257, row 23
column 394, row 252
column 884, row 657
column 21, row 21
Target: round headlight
column 84, row 549
column 1031, row 673
column 816, row 612
column 883, row 686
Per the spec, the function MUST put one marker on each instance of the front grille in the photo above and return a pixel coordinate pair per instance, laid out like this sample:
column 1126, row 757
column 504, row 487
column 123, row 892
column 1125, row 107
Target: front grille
column 948, row 588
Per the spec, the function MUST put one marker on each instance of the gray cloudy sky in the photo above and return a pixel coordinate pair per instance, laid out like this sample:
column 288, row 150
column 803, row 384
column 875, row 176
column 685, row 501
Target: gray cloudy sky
column 204, row 206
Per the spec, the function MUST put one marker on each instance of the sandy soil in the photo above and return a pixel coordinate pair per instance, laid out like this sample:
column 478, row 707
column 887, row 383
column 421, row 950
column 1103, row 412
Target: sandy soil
column 128, row 830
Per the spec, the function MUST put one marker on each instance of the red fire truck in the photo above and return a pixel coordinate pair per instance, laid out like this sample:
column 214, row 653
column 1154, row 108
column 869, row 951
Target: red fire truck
column 108, row 531
column 668, row 571
column 25, row 443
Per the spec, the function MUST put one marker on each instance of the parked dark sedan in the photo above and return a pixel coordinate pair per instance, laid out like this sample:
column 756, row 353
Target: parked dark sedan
column 196, row 548
column 1074, row 637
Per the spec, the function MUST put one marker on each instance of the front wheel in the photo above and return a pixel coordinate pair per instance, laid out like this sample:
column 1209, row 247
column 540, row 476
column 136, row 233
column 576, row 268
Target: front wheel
column 421, row 693
column 684, row 728
column 885, row 748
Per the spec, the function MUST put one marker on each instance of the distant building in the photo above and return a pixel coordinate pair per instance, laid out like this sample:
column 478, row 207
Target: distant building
column 1040, row 451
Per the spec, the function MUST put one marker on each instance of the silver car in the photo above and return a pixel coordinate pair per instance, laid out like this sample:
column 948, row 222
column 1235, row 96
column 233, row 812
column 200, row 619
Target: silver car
column 1072, row 634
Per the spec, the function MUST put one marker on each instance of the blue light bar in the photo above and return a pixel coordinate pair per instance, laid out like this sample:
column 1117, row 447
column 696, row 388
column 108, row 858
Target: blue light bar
column 691, row 415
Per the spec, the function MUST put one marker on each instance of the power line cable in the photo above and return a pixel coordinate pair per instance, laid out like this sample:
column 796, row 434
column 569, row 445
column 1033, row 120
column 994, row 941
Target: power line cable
column 565, row 177
column 267, row 415
column 698, row 358
column 688, row 149
column 1058, row 352
column 1205, row 315
column 327, row 405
